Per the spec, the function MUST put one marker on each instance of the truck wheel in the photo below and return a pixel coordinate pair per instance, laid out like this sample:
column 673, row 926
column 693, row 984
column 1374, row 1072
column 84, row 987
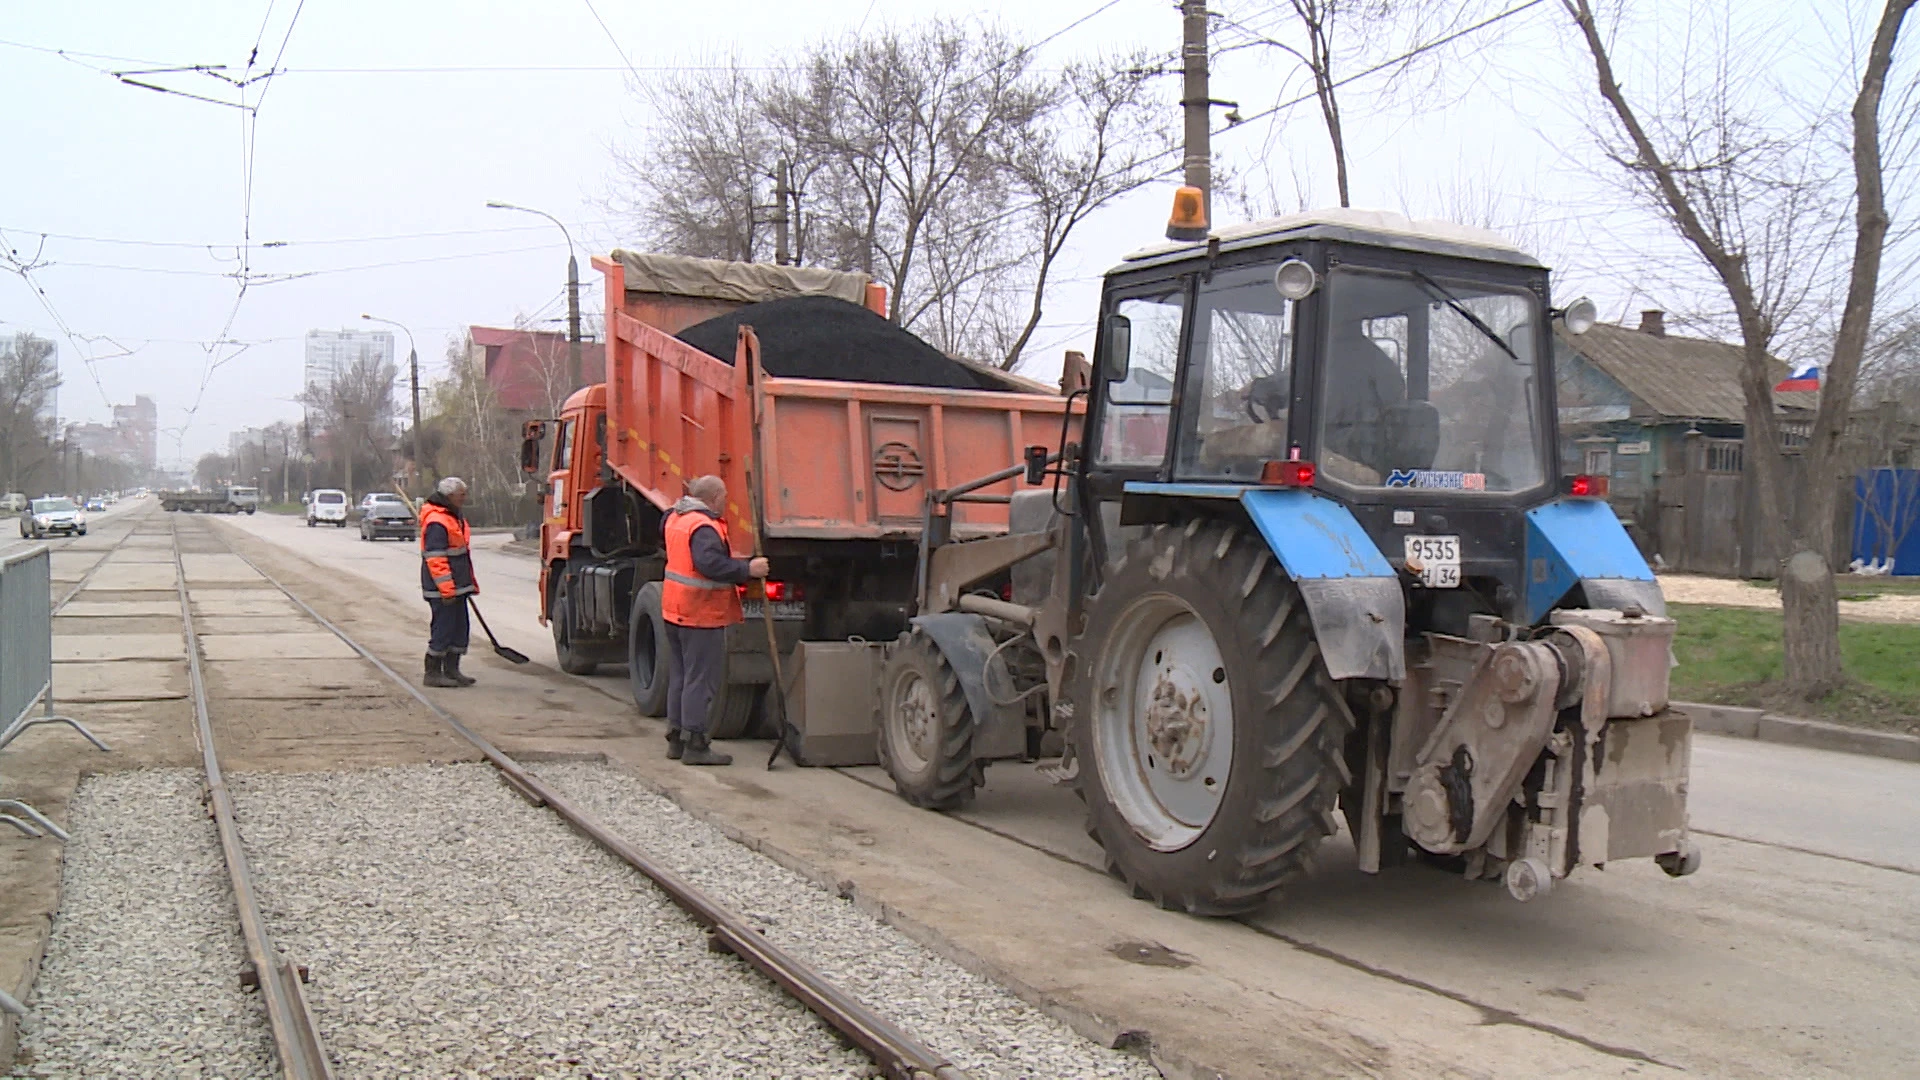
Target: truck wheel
column 559, row 620
column 647, row 652
column 926, row 728
column 1209, row 734
column 736, row 710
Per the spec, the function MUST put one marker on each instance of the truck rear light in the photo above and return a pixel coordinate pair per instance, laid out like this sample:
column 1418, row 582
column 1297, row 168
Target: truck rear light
column 1288, row 473
column 776, row 591
column 1584, row 486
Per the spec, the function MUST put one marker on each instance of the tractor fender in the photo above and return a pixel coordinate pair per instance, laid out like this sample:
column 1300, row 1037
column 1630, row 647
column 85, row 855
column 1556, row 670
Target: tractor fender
column 1353, row 595
column 999, row 730
column 1580, row 542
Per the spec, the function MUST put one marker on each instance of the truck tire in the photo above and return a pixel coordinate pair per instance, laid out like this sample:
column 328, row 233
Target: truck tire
column 1198, row 816
column 647, row 652
column 560, row 620
column 926, row 728
column 736, row 710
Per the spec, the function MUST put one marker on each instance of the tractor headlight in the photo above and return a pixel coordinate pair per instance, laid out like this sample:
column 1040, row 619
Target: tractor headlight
column 1295, row 279
column 1579, row 316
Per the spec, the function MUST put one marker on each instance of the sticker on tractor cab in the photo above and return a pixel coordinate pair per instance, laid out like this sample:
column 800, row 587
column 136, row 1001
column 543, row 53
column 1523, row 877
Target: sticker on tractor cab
column 1436, row 559
column 1437, row 478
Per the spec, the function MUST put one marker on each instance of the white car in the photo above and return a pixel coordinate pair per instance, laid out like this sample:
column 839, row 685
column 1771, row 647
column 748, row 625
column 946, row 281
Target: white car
column 366, row 504
column 329, row 507
column 55, row 515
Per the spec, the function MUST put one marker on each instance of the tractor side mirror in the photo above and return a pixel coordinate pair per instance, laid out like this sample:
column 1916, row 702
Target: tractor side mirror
column 1119, row 347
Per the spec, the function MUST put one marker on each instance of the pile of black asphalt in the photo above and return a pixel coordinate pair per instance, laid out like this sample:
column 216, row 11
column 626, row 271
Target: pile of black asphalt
column 821, row 337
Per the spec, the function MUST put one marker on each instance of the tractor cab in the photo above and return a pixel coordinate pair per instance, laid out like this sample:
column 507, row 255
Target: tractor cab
column 1401, row 369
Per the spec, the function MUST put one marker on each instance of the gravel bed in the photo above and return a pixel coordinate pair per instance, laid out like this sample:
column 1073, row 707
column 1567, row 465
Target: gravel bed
column 986, row 1029
column 141, row 974
column 453, row 930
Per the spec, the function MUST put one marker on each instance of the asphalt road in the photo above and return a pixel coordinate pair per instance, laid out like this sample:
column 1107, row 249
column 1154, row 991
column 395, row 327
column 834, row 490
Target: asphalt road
column 1794, row 952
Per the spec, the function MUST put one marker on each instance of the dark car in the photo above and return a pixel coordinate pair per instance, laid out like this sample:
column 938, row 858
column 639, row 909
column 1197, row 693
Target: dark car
column 389, row 519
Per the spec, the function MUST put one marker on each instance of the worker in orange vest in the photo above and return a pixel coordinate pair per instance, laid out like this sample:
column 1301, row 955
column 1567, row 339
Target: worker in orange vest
column 446, row 580
column 698, row 600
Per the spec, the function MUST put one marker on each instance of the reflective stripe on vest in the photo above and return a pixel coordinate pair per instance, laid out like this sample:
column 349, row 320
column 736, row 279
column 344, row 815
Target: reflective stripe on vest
column 687, row 598
column 443, row 553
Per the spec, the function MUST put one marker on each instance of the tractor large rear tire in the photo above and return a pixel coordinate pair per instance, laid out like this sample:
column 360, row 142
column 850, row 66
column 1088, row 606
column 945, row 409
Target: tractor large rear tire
column 926, row 728
column 1199, row 624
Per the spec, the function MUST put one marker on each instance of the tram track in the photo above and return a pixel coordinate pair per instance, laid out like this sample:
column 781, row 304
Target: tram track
column 895, row 1051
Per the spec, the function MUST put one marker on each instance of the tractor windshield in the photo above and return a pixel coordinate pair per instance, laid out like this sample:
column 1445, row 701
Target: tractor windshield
column 1429, row 382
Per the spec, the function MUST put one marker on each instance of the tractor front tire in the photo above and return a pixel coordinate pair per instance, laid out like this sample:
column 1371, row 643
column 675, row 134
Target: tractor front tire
column 1197, row 625
column 926, row 727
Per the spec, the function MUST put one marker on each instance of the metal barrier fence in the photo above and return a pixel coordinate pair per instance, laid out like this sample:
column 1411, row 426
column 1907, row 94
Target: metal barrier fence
column 26, row 666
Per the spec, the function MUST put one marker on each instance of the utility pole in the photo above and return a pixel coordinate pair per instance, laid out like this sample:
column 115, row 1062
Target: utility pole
column 780, row 193
column 1196, row 100
column 574, row 371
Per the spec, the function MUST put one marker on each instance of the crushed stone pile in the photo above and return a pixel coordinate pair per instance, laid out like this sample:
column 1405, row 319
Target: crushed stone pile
column 821, row 337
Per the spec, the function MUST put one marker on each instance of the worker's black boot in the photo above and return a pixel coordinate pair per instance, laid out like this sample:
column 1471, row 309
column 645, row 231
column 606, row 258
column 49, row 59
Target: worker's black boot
column 676, row 744
column 437, row 672
column 453, row 671
column 698, row 751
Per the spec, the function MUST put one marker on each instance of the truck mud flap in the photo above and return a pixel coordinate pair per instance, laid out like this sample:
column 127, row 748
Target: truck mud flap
column 1001, row 730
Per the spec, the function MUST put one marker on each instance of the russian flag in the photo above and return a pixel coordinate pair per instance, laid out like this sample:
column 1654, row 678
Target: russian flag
column 1803, row 377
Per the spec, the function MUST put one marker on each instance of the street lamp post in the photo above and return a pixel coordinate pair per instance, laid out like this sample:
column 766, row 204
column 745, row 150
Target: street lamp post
column 413, row 376
column 574, row 375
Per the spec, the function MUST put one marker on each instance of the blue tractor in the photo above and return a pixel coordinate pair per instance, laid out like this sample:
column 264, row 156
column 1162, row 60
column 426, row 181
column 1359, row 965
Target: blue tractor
column 1313, row 558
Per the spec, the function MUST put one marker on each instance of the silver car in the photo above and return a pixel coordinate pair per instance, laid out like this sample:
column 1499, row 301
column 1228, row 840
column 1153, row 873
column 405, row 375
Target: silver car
column 44, row 517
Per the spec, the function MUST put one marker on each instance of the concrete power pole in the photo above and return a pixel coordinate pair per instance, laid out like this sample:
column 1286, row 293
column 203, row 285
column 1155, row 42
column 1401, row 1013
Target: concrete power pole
column 574, row 371
column 1196, row 100
column 780, row 194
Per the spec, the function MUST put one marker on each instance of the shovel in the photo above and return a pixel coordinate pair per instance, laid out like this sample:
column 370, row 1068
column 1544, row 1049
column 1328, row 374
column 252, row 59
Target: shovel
column 511, row 656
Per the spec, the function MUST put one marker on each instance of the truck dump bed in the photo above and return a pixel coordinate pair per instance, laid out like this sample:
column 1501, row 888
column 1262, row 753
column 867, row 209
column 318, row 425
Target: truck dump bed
column 837, row 460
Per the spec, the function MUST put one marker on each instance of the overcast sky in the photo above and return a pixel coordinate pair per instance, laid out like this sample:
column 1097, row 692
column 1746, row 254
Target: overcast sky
column 373, row 163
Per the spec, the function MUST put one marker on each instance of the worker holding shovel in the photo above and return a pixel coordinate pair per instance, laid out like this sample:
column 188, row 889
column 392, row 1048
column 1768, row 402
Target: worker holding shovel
column 699, row 601
column 446, row 580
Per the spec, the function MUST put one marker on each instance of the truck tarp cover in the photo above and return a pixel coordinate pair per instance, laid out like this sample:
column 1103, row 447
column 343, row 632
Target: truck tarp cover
column 819, row 337
column 746, row 283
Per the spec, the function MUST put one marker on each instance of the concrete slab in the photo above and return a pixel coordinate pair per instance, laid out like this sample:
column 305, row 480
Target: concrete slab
column 202, row 568
column 124, row 680
column 119, row 575
column 284, row 680
column 72, row 565
column 244, row 602
column 145, row 555
column 242, row 624
column 119, row 647
column 318, row 645
column 95, row 626
column 119, row 609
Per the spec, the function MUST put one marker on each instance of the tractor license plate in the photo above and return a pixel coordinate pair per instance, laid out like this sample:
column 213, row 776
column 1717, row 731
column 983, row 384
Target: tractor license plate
column 1436, row 559
column 782, row 609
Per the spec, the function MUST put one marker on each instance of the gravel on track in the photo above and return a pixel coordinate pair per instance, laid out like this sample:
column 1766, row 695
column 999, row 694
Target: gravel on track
column 981, row 1025
column 453, row 930
column 141, row 974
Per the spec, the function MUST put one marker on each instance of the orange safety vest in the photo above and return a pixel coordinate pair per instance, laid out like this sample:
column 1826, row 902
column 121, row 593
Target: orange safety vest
column 438, row 576
column 686, row 598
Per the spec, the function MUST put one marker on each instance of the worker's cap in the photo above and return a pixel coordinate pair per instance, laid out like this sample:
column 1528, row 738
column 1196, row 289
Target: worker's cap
column 451, row 485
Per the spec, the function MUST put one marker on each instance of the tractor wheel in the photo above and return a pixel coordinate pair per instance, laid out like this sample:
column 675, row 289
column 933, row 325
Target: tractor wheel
column 926, row 728
column 647, row 652
column 1209, row 735
column 573, row 661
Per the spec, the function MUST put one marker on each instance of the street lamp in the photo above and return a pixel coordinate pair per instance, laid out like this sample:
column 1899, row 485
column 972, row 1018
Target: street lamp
column 413, row 375
column 573, row 294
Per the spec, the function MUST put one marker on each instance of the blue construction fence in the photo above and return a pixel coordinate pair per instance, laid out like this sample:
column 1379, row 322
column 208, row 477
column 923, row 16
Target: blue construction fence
column 1886, row 519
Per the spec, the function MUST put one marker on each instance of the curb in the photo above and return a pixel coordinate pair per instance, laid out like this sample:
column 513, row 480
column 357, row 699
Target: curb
column 1763, row 726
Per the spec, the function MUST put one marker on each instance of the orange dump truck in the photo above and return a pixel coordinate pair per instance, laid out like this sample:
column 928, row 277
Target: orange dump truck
column 828, row 479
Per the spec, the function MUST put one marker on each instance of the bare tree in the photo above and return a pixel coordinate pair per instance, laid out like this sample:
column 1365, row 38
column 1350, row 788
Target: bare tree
column 353, row 416
column 29, row 375
column 935, row 159
column 1747, row 198
column 472, row 437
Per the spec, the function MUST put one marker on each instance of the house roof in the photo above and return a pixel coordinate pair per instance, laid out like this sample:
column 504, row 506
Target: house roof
column 520, row 365
column 1694, row 378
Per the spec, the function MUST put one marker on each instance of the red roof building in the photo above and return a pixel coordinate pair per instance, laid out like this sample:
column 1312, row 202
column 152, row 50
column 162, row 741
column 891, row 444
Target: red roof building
column 527, row 369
